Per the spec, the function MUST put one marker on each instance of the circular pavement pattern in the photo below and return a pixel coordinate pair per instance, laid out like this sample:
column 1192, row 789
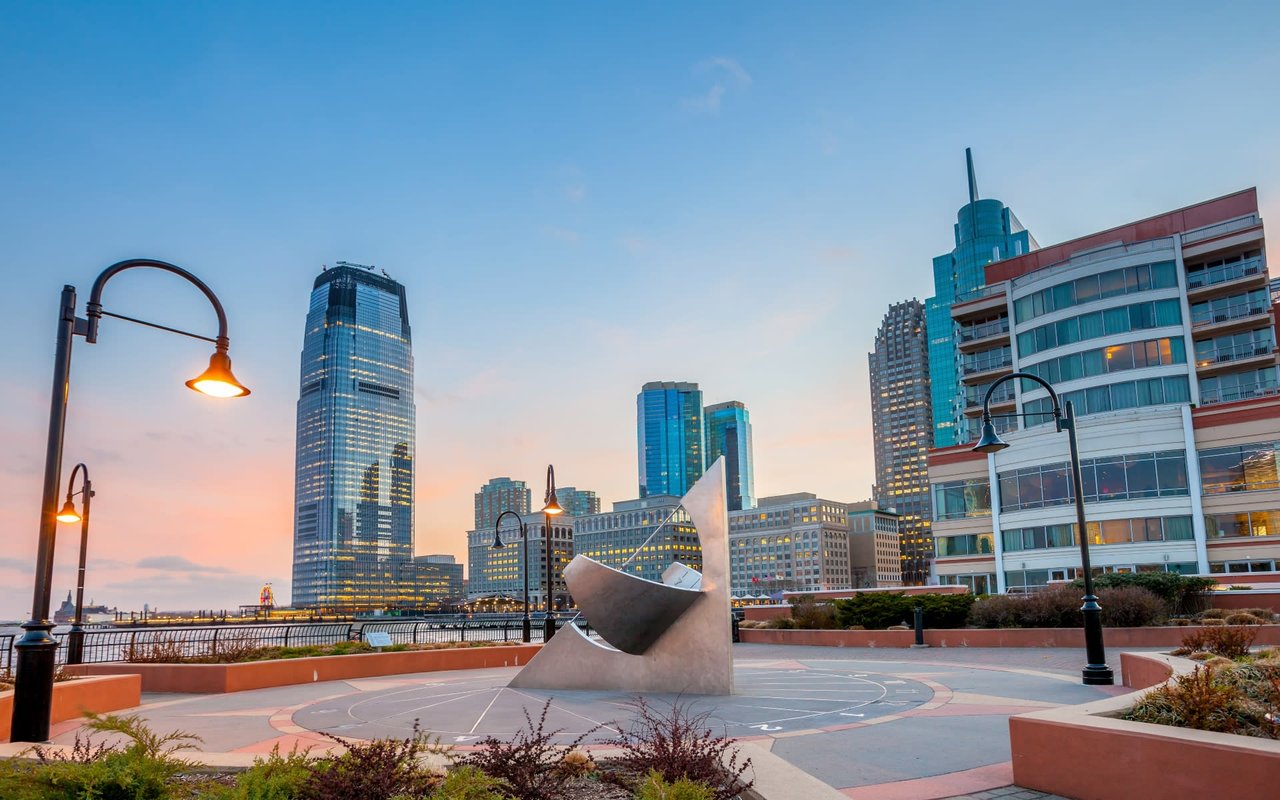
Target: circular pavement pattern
column 767, row 700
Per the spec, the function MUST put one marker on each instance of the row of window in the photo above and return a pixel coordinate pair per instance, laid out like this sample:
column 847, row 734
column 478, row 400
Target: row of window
column 1244, row 523
column 1105, row 360
column 1032, row 579
column 1112, row 321
column 1115, row 397
column 1234, row 386
column 1128, row 477
column 1233, row 347
column 1223, row 309
column 1240, row 468
column 1112, row 531
column 1112, row 283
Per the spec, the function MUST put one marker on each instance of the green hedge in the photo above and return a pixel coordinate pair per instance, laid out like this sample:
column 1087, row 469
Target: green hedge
column 878, row 610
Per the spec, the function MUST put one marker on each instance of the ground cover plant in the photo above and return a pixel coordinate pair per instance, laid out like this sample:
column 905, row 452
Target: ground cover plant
column 176, row 651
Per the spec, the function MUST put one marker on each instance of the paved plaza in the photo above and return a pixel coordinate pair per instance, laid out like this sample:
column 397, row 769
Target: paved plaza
column 870, row 722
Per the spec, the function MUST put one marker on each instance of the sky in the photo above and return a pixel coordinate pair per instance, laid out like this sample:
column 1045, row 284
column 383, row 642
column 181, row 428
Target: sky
column 578, row 197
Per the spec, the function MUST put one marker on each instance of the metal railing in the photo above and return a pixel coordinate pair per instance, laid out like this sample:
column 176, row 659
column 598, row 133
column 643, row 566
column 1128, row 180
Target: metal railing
column 1235, row 352
column 6, row 653
column 1225, row 272
column 1003, row 394
column 429, row 632
column 1233, row 393
column 971, row 333
column 986, row 364
column 1234, row 311
column 150, row 644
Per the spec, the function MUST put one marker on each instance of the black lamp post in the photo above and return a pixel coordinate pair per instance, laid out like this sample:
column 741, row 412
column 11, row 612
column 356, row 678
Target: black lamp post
column 37, row 649
column 551, row 507
column 1096, row 672
column 68, row 514
column 525, row 627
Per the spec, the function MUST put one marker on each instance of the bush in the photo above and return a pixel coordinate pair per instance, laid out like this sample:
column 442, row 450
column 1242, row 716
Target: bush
column 469, row 783
column 1130, row 607
column 380, row 769
column 782, row 623
column 678, row 744
column 1213, row 621
column 996, row 611
column 879, row 610
column 655, row 787
column 1214, row 613
column 1242, row 619
column 530, row 764
column 1055, row 606
column 1181, row 593
column 276, row 777
column 1264, row 614
column 1228, row 642
column 811, row 615
column 1194, row 700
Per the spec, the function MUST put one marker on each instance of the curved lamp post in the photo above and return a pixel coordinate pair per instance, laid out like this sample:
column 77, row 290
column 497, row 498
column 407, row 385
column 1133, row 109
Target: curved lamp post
column 37, row 649
column 525, row 627
column 69, row 515
column 1096, row 672
column 550, row 508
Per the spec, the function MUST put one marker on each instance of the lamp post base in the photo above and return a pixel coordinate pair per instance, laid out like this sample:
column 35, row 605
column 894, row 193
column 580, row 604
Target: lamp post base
column 75, row 645
column 1098, row 675
column 33, row 683
column 548, row 628
column 526, row 633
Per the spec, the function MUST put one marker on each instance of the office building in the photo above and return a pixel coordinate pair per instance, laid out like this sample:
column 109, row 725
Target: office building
column 902, row 428
column 670, row 438
column 1161, row 333
column 498, row 495
column 986, row 231
column 498, row 572
column 578, row 502
column 431, row 581
column 800, row 542
column 728, row 434
column 353, row 508
column 641, row 537
column 875, row 549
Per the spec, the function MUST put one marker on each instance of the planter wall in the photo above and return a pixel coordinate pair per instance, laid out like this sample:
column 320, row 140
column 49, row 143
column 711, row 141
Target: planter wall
column 219, row 678
column 990, row 637
column 71, row 699
column 1088, row 753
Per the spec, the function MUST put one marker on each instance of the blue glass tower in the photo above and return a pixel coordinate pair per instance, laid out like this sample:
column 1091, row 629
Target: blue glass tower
column 669, row 434
column 728, row 429
column 985, row 231
column 353, row 518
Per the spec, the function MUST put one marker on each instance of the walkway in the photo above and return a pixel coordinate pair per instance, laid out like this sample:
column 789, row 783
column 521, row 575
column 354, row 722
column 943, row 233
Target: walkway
column 890, row 724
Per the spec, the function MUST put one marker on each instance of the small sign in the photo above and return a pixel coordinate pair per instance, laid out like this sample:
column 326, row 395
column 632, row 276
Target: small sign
column 378, row 639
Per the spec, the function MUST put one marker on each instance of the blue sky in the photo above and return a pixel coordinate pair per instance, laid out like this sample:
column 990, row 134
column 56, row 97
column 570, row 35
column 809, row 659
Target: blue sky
column 578, row 197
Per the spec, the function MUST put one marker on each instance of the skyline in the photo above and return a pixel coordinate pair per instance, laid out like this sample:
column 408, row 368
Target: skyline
column 542, row 184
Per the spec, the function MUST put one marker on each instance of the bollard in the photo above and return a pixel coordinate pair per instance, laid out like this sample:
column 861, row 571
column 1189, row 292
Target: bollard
column 919, row 627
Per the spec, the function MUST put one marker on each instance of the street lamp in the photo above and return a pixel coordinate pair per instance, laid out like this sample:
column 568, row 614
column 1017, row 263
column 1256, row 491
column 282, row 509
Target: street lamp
column 1096, row 672
column 550, row 508
column 37, row 649
column 525, row 627
column 69, row 515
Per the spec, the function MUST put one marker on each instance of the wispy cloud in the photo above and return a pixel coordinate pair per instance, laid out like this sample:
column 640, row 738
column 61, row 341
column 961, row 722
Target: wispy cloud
column 725, row 74
column 177, row 564
column 561, row 234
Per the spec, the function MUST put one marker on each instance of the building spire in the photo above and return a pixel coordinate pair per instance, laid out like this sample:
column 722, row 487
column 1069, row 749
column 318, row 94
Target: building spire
column 973, row 180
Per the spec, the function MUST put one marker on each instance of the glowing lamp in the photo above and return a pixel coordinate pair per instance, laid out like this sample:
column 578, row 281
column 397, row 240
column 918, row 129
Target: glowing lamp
column 217, row 380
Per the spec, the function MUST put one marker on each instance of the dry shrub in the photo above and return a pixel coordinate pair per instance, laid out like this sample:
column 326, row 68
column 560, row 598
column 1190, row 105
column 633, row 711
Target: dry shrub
column 530, row 765
column 379, row 769
column 1131, row 607
column 577, row 763
column 1214, row 613
column 1179, row 621
column 1194, row 700
column 1242, row 619
column 1226, row 641
column 1211, row 621
column 782, row 623
column 811, row 615
column 678, row 744
column 996, row 611
column 1265, row 614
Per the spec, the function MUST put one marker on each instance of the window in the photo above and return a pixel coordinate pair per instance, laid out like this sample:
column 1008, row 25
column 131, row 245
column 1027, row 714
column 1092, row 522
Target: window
column 1243, row 468
column 959, row 499
column 1116, row 396
column 1267, row 565
column 1112, row 478
column 1096, row 287
column 969, row 545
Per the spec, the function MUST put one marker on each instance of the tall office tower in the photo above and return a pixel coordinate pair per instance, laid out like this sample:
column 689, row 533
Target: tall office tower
column 353, row 517
column 578, row 502
column 985, row 231
column 1161, row 333
column 669, row 430
column 902, row 426
column 498, row 495
column 728, row 431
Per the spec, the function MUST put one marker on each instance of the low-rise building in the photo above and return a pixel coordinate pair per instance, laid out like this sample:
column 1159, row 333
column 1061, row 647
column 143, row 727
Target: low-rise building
column 642, row 537
column 498, row 572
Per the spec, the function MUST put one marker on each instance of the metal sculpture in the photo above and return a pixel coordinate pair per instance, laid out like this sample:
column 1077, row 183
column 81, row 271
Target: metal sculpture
column 661, row 637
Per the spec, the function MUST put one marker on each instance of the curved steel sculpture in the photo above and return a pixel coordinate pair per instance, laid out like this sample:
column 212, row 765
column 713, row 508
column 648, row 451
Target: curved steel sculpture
column 664, row 638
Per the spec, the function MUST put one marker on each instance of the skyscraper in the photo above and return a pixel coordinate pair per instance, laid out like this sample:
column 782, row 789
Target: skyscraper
column 902, row 426
column 498, row 495
column 985, row 231
column 353, row 506
column 728, row 433
column 669, row 433
column 578, row 502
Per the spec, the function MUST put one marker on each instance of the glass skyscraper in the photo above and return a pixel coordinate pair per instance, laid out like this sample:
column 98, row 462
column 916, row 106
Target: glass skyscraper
column 728, row 433
column 669, row 433
column 985, row 231
column 353, row 518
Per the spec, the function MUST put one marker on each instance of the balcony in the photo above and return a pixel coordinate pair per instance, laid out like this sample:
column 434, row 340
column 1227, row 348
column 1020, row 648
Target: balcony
column 1003, row 398
column 1232, row 276
column 973, row 337
column 1233, row 316
column 979, row 302
column 1253, row 354
column 984, row 370
column 1231, row 394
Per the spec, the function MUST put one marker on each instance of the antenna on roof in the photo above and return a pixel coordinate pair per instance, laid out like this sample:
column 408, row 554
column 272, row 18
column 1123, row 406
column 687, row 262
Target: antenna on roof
column 324, row 267
column 973, row 180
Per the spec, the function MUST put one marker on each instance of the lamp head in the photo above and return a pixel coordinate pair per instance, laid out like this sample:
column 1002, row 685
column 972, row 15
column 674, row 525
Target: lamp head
column 68, row 513
column 497, row 540
column 989, row 442
column 552, row 507
column 217, row 380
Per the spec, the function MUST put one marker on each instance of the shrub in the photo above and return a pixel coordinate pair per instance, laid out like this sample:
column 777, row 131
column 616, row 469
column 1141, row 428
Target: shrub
column 782, row 623
column 469, row 783
column 577, row 763
column 529, row 764
column 879, row 610
column 1213, row 621
column 1213, row 613
column 1264, row 614
column 1228, row 642
column 996, row 611
column 1179, row 621
column 275, row 777
column 380, row 769
column 1181, row 593
column 1194, row 700
column 678, row 744
column 655, row 787
column 812, row 615
column 1055, row 606
column 1130, row 607
column 1242, row 619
